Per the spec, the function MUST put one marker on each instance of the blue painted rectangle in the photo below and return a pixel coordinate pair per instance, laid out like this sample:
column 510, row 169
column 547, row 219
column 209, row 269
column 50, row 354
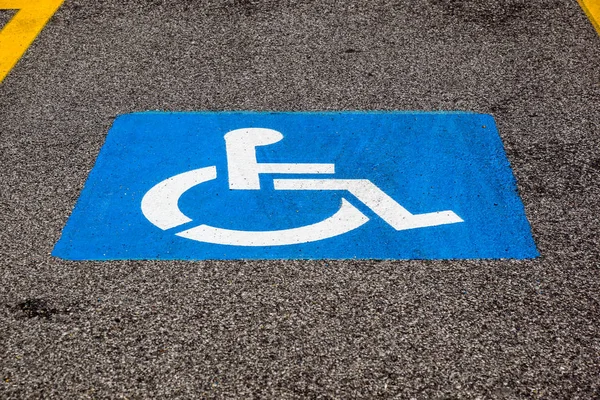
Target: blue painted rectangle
column 425, row 162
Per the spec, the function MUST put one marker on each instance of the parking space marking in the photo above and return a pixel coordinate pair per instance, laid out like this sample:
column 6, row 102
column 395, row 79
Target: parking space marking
column 592, row 10
column 299, row 185
column 18, row 34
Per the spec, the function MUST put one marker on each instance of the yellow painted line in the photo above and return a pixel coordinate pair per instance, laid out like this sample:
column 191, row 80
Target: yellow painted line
column 18, row 34
column 592, row 10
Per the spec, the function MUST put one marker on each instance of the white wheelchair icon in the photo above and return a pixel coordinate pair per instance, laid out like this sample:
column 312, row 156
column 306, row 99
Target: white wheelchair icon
column 160, row 203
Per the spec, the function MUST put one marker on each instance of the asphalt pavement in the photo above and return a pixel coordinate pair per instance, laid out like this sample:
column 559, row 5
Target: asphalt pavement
column 304, row 329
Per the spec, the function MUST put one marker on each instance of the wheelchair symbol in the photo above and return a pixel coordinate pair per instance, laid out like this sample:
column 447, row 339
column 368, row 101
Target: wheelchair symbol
column 160, row 204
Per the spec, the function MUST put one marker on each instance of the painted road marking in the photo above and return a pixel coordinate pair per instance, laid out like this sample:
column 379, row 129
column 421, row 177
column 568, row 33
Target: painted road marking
column 592, row 10
column 160, row 203
column 337, row 185
column 18, row 34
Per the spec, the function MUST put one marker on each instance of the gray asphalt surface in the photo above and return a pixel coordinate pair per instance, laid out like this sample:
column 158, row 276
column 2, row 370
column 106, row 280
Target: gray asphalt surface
column 5, row 16
column 304, row 329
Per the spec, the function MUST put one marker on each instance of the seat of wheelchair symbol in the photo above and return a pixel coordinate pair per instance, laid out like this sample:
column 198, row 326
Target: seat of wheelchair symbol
column 160, row 204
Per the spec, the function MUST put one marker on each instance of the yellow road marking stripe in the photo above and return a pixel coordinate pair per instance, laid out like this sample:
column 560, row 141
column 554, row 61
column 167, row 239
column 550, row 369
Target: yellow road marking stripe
column 18, row 34
column 592, row 10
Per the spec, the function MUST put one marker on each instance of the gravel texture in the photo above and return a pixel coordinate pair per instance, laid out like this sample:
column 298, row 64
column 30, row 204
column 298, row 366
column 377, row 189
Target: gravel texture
column 304, row 329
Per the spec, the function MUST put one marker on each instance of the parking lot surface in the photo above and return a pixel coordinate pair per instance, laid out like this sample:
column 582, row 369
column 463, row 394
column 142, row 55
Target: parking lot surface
column 485, row 329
